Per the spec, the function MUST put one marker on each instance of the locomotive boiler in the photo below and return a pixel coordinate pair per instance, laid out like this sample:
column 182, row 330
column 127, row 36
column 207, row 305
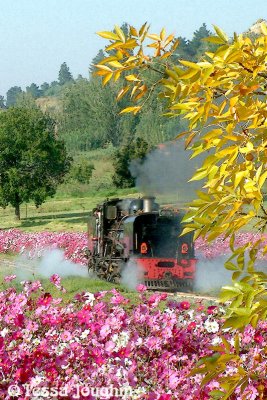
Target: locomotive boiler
column 136, row 229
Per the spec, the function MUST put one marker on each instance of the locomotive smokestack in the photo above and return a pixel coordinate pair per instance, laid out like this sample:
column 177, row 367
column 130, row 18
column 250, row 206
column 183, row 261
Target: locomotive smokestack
column 148, row 203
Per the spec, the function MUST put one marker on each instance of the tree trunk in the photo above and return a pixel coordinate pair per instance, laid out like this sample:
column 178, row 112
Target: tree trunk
column 17, row 211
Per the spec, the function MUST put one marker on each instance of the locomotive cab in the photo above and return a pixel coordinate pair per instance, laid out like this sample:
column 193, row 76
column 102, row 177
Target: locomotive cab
column 154, row 241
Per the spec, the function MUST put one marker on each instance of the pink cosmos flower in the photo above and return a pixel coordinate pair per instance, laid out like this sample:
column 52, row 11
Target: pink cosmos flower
column 211, row 309
column 258, row 338
column 66, row 336
column 45, row 300
column 119, row 299
column 184, row 305
column 141, row 288
column 56, row 280
column 9, row 278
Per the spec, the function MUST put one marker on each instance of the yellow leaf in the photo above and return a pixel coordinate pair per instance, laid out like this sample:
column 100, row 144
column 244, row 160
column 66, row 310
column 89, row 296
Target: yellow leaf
column 172, row 74
column 133, row 31
column 220, row 33
column 132, row 78
column 166, row 55
column 104, row 67
column 143, row 90
column 107, row 78
column 264, row 28
column 189, row 64
column 115, row 64
column 182, row 134
column 107, row 59
column 168, row 40
column 131, row 110
column 189, row 74
column 143, row 29
column 129, row 44
column 117, row 74
column 262, row 179
column 108, row 35
column 101, row 73
column 187, row 230
column 120, row 33
column 122, row 92
column 154, row 37
column 214, row 133
column 189, row 139
column 200, row 174
column 206, row 73
column 214, row 39
column 239, row 176
column 162, row 34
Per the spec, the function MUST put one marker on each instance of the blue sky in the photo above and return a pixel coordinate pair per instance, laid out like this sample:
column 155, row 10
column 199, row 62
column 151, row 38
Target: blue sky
column 37, row 36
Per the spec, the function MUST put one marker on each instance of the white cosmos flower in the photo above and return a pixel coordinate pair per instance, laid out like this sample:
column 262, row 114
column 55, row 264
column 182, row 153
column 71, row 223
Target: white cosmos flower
column 90, row 298
column 211, row 326
column 4, row 332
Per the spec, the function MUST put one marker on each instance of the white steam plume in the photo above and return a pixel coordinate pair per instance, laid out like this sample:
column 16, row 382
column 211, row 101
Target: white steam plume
column 132, row 275
column 166, row 171
column 52, row 262
column 211, row 275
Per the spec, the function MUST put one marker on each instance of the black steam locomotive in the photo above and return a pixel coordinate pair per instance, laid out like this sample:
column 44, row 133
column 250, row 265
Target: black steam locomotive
column 134, row 229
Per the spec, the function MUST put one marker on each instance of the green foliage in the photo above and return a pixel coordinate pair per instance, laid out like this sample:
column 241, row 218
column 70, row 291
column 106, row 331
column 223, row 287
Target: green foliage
column 34, row 90
column 25, row 100
column 81, row 172
column 11, row 95
column 91, row 116
column 32, row 161
column 195, row 48
column 44, row 87
column 136, row 149
column 2, row 102
column 64, row 75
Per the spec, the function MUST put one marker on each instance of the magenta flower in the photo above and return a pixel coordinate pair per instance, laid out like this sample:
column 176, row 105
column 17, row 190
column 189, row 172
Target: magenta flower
column 184, row 305
column 9, row 278
column 141, row 288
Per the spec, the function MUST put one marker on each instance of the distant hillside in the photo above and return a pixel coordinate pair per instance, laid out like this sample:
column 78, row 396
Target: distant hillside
column 256, row 27
column 49, row 104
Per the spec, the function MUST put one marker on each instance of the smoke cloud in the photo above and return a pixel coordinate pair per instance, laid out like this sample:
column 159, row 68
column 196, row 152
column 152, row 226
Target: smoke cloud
column 211, row 275
column 52, row 262
column 132, row 275
column 166, row 171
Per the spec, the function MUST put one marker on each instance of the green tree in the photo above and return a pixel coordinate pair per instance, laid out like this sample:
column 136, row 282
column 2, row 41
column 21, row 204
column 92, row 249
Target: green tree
column 198, row 46
column 82, row 171
column 64, row 75
column 11, row 95
column 25, row 100
column 44, row 87
column 99, row 57
column 2, row 102
column 91, row 115
column 32, row 161
column 34, row 90
column 223, row 98
column 136, row 149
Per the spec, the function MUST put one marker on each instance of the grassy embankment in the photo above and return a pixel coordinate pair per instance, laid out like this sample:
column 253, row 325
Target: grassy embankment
column 68, row 210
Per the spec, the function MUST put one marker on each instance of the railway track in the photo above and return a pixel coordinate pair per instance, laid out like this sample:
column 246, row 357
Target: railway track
column 27, row 267
column 197, row 296
column 11, row 264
